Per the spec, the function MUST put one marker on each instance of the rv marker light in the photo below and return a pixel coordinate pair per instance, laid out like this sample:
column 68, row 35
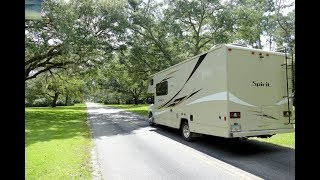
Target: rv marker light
column 235, row 115
column 286, row 113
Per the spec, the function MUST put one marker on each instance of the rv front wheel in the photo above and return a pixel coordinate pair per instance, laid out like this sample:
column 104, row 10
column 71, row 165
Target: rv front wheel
column 185, row 131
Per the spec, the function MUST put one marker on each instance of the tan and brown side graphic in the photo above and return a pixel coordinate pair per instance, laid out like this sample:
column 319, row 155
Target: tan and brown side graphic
column 173, row 102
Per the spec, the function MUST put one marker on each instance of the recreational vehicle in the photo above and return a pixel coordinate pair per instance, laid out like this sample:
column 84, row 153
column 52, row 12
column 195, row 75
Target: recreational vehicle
column 228, row 91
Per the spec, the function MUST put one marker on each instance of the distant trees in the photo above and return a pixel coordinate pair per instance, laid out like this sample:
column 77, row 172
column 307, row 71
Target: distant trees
column 75, row 34
column 53, row 89
column 107, row 49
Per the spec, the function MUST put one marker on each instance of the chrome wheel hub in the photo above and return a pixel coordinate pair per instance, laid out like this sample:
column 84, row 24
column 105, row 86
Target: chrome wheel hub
column 186, row 131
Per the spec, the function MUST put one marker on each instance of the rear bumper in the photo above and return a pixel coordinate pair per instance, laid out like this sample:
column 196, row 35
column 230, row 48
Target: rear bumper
column 258, row 133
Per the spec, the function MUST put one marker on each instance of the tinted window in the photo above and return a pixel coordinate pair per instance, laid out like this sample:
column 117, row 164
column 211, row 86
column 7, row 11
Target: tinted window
column 162, row 88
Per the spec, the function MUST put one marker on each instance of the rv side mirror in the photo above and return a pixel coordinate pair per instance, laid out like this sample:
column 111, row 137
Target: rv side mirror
column 149, row 100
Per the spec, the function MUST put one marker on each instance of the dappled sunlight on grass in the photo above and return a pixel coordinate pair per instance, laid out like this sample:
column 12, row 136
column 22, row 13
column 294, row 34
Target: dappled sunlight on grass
column 57, row 143
column 45, row 124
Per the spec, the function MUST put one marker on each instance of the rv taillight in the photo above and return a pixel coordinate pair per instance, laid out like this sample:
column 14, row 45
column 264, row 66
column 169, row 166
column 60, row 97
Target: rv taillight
column 286, row 113
column 235, row 115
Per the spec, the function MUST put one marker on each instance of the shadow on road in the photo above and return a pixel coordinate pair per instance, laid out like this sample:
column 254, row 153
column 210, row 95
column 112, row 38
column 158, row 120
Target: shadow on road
column 109, row 122
column 234, row 146
column 243, row 154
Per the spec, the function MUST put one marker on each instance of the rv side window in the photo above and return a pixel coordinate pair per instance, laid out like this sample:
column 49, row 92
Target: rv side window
column 151, row 82
column 162, row 88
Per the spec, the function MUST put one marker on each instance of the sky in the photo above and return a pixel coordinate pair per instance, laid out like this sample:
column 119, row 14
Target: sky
column 32, row 9
column 285, row 12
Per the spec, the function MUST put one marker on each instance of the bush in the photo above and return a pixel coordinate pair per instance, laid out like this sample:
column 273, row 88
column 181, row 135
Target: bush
column 42, row 102
column 45, row 102
column 106, row 101
column 71, row 103
column 60, row 103
column 77, row 101
column 28, row 104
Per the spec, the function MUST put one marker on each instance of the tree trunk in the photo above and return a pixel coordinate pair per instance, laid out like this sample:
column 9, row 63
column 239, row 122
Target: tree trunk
column 270, row 42
column 259, row 46
column 136, row 100
column 54, row 101
column 67, row 99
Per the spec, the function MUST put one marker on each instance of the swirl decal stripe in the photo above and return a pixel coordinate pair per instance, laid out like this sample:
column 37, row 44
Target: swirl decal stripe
column 200, row 60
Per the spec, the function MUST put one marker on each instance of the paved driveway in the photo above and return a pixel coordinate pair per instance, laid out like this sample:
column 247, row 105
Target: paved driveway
column 127, row 148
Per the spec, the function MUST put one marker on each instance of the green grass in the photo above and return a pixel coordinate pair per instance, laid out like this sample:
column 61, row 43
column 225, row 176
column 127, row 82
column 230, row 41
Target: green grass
column 57, row 144
column 287, row 140
column 141, row 109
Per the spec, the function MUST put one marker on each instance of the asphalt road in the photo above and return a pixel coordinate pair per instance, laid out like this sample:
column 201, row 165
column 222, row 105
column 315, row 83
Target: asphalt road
column 126, row 147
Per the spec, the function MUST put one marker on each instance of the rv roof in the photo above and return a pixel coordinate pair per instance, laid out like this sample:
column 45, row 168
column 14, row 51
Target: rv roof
column 253, row 49
column 217, row 47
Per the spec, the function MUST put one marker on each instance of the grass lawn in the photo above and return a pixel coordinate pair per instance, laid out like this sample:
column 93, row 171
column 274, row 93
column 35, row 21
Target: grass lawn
column 141, row 109
column 57, row 144
column 286, row 139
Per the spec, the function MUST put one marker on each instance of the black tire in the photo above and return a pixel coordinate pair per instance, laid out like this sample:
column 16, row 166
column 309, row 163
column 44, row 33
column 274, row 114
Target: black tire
column 151, row 120
column 185, row 132
column 244, row 138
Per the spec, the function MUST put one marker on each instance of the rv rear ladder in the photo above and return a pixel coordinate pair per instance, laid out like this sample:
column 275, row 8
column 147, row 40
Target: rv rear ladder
column 287, row 79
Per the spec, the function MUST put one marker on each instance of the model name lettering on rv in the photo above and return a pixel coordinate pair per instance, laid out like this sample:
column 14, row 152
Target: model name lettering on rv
column 261, row 84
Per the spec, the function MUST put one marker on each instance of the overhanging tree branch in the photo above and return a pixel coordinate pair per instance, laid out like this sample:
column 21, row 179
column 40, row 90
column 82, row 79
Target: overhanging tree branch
column 48, row 68
column 53, row 51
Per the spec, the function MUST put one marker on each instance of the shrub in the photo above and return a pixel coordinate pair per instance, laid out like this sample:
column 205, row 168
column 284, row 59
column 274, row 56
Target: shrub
column 106, row 101
column 77, row 101
column 42, row 102
column 28, row 104
column 60, row 103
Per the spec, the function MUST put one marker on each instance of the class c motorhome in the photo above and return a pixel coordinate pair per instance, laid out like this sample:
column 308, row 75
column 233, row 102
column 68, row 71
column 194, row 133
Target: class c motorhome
column 229, row 91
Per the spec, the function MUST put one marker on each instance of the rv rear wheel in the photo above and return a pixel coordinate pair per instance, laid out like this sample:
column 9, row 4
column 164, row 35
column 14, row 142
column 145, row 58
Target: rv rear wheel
column 185, row 131
column 151, row 120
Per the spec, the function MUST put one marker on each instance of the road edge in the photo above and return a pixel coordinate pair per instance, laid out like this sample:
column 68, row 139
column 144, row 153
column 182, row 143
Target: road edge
column 94, row 163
